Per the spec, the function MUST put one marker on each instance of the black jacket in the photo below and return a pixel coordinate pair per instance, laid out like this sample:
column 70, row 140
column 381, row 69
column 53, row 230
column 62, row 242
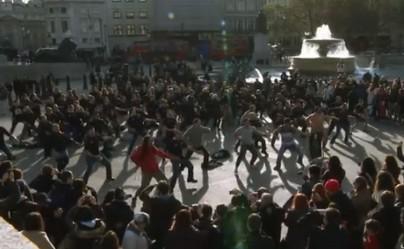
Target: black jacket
column 389, row 218
column 331, row 237
column 117, row 216
column 257, row 240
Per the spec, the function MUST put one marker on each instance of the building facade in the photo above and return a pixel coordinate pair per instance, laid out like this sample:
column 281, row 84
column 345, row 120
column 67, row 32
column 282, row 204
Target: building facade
column 186, row 29
column 22, row 25
column 129, row 22
column 83, row 22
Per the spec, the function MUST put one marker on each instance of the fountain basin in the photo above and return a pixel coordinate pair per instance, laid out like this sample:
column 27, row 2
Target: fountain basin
column 322, row 65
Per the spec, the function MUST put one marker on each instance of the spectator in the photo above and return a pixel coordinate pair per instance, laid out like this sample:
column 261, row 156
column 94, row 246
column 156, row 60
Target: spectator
column 389, row 218
column 10, row 193
column 399, row 193
column 342, row 202
column 205, row 225
column 118, row 221
column 362, row 199
column 332, row 236
column 391, row 166
column 34, row 230
column 110, row 241
column 298, row 222
column 182, row 234
column 384, row 182
column 318, row 198
column 371, row 237
column 272, row 216
column 86, row 233
column 161, row 209
column 368, row 171
column 44, row 182
column 255, row 238
column 334, row 170
column 135, row 236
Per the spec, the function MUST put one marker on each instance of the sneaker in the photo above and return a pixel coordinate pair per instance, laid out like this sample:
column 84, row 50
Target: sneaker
column 111, row 179
column 192, row 181
column 277, row 168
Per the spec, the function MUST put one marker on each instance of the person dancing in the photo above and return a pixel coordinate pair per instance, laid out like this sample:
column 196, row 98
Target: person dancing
column 144, row 156
column 287, row 131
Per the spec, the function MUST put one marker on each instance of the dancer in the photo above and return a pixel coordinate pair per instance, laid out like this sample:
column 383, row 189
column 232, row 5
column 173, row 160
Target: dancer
column 245, row 134
column 316, row 123
column 288, row 142
column 144, row 156
column 193, row 138
column 92, row 144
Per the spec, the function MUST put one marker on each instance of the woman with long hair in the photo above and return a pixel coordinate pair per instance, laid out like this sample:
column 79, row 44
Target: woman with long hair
column 334, row 170
column 368, row 171
column 391, row 166
column 34, row 230
column 318, row 198
column 384, row 181
column 144, row 156
column 297, row 221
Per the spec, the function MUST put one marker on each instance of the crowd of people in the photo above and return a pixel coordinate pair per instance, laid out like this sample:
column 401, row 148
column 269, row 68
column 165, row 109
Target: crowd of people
column 168, row 116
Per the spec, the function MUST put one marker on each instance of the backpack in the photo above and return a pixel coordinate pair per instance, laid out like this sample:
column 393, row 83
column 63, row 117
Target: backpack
column 221, row 155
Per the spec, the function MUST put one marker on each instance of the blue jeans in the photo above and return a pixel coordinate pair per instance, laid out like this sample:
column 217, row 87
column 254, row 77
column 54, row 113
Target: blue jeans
column 62, row 159
column 91, row 160
column 291, row 147
column 178, row 166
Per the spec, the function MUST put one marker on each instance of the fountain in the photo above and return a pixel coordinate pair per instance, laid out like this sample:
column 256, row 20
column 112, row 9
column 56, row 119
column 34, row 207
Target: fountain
column 323, row 54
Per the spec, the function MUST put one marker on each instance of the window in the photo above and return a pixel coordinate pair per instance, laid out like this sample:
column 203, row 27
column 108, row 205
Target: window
column 63, row 10
column 143, row 29
column 52, row 27
column 129, row 1
column 130, row 15
column 143, row 14
column 142, row 1
column 53, row 41
column 116, row 0
column 65, row 26
column 240, row 5
column 84, row 40
column 116, row 14
column 84, row 26
column 97, row 40
column 130, row 29
column 250, row 5
column 230, row 5
column 118, row 30
column 51, row 10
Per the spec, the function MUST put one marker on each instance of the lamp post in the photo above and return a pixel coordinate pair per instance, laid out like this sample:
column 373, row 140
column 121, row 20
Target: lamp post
column 225, row 48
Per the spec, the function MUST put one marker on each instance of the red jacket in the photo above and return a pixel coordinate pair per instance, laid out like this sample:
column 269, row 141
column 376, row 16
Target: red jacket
column 146, row 159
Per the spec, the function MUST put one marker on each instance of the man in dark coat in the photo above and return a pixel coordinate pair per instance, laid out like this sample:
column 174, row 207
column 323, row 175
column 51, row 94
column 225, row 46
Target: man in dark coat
column 332, row 236
column 255, row 238
column 389, row 217
column 118, row 214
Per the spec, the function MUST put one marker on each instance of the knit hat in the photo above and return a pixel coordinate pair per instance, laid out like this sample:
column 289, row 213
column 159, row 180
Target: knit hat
column 332, row 185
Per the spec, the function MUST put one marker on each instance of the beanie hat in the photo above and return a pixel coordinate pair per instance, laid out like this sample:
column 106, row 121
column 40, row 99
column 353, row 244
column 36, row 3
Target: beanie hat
column 332, row 185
